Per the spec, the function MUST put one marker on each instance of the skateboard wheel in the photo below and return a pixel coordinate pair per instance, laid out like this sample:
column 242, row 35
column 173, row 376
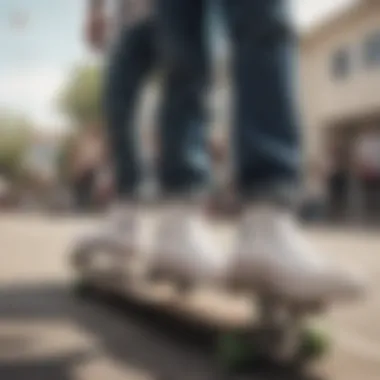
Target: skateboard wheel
column 314, row 345
column 234, row 351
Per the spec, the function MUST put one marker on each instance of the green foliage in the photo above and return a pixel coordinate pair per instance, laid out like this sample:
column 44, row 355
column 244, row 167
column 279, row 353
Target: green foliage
column 15, row 137
column 81, row 97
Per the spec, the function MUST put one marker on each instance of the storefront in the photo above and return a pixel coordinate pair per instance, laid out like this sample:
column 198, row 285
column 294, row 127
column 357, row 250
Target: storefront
column 354, row 177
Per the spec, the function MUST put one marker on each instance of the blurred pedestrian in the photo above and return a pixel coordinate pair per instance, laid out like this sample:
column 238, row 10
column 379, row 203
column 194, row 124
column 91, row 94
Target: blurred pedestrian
column 314, row 203
column 367, row 164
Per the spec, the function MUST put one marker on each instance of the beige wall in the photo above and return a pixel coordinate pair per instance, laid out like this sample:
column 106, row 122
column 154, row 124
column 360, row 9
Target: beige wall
column 326, row 100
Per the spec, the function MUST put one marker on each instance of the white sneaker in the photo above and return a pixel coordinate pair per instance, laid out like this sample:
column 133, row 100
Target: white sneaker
column 122, row 222
column 118, row 229
column 110, row 246
column 272, row 256
column 184, row 249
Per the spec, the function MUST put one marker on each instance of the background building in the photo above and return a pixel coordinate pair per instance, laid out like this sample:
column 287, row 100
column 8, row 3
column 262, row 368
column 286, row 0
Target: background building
column 340, row 90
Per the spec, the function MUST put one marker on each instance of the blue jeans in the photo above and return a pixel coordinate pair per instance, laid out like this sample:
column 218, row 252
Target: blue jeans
column 265, row 134
column 131, row 62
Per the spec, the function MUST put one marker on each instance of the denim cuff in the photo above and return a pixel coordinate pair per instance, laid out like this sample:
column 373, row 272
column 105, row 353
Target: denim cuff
column 279, row 193
column 195, row 193
column 187, row 197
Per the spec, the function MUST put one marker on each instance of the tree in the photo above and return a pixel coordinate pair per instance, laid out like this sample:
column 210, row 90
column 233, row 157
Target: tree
column 81, row 96
column 15, row 137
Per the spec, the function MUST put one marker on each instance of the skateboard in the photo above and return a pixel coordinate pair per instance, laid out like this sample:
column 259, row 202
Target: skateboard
column 280, row 334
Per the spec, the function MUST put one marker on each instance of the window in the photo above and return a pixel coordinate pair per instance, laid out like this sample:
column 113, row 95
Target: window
column 372, row 50
column 340, row 64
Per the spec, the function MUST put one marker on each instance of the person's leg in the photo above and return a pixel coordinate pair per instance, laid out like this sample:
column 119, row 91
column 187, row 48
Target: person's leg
column 184, row 162
column 132, row 60
column 183, row 249
column 80, row 195
column 266, row 135
column 271, row 251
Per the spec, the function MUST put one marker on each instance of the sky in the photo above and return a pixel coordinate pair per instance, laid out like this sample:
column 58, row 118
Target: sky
column 41, row 40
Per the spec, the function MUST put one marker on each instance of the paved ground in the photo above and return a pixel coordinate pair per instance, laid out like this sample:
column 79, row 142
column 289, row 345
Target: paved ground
column 47, row 334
